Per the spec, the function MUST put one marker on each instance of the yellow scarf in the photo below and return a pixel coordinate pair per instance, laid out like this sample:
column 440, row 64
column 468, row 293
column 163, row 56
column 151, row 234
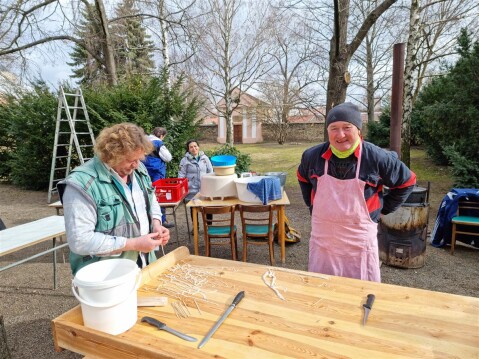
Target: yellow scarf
column 347, row 153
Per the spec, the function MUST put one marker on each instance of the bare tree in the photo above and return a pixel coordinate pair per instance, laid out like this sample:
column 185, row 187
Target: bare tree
column 290, row 83
column 374, row 56
column 230, row 56
column 170, row 22
column 342, row 44
column 27, row 24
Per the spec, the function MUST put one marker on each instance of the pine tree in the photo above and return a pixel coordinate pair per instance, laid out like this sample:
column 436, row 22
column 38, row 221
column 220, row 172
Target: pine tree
column 132, row 45
column 87, row 58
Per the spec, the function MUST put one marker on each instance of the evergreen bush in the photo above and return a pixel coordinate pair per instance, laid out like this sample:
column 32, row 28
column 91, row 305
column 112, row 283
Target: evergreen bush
column 448, row 114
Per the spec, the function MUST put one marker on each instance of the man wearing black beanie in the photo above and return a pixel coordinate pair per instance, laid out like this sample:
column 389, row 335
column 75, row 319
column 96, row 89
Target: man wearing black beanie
column 341, row 181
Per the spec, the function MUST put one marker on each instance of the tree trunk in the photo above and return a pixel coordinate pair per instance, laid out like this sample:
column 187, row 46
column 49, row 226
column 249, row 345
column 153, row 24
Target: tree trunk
column 341, row 52
column 409, row 82
column 229, row 119
column 370, row 81
column 164, row 43
column 108, row 45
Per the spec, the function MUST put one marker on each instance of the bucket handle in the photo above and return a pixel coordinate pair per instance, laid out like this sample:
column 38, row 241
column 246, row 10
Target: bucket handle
column 83, row 301
column 246, row 174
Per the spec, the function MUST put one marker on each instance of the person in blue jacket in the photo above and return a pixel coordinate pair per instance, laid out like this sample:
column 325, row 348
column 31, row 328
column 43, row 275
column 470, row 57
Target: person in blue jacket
column 155, row 162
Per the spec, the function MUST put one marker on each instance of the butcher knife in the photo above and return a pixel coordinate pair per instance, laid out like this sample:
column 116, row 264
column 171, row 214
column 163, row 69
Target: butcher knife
column 367, row 307
column 163, row 326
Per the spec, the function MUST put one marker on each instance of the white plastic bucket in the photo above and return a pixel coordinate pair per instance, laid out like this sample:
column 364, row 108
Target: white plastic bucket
column 107, row 293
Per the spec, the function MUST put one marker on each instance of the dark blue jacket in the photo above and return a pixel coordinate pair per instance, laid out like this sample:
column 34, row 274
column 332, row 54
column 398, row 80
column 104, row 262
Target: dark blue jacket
column 379, row 168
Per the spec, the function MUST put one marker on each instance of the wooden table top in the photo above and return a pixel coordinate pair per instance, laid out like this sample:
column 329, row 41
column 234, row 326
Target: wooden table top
column 199, row 201
column 18, row 237
column 320, row 316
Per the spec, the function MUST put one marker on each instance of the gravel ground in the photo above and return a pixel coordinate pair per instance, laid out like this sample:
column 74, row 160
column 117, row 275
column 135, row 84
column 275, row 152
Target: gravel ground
column 28, row 302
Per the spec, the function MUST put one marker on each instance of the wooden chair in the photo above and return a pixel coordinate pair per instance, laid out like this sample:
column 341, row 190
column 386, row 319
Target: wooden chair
column 467, row 219
column 221, row 226
column 257, row 224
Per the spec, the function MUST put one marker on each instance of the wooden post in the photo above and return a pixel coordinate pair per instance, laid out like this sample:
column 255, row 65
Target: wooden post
column 4, row 352
column 397, row 98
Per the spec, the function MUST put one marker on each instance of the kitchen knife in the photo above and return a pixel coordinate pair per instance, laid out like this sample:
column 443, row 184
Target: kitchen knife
column 220, row 321
column 163, row 326
column 367, row 307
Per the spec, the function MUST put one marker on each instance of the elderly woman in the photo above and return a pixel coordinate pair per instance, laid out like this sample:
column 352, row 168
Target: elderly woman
column 109, row 204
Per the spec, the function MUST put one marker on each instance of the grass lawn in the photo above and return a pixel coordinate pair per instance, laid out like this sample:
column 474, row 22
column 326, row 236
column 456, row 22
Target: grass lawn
column 267, row 157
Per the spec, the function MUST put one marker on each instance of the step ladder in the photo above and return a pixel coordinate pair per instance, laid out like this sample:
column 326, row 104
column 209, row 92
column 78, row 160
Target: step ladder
column 72, row 132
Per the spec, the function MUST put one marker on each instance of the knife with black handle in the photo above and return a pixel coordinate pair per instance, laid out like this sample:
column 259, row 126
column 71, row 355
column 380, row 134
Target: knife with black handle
column 163, row 326
column 367, row 307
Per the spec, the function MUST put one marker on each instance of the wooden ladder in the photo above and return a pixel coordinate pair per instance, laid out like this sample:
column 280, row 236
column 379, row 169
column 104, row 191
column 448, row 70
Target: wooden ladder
column 72, row 129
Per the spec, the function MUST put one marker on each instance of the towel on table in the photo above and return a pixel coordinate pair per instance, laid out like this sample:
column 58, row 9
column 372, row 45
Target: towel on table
column 266, row 189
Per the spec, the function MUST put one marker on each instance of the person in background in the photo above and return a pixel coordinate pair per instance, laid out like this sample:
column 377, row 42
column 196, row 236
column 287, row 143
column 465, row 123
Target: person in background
column 109, row 204
column 342, row 183
column 155, row 162
column 192, row 166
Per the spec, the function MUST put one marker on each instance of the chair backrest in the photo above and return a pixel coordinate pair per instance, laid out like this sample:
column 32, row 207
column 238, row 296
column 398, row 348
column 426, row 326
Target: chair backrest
column 468, row 207
column 256, row 215
column 220, row 219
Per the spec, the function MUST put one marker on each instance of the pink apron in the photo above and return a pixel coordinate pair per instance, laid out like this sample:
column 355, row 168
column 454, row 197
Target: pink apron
column 343, row 237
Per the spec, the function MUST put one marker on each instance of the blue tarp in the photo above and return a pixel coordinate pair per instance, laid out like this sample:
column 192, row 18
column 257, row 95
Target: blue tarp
column 441, row 234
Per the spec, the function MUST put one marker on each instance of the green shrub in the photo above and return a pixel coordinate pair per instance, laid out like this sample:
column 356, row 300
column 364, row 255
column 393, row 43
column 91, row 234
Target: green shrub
column 378, row 132
column 28, row 123
column 243, row 161
column 31, row 127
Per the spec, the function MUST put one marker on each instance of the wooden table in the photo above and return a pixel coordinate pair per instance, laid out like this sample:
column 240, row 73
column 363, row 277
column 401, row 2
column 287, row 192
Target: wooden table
column 57, row 205
column 170, row 205
column 320, row 316
column 199, row 201
column 15, row 238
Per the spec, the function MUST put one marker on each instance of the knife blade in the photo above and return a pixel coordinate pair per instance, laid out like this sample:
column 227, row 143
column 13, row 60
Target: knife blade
column 367, row 307
column 163, row 326
column 220, row 321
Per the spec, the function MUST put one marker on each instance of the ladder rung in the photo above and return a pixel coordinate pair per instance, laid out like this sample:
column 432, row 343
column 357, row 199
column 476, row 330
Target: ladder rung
column 72, row 94
column 64, row 133
column 86, row 145
column 83, row 133
column 60, row 168
column 63, row 144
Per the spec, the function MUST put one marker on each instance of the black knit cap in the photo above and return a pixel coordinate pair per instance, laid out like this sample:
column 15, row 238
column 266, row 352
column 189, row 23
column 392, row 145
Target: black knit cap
column 347, row 112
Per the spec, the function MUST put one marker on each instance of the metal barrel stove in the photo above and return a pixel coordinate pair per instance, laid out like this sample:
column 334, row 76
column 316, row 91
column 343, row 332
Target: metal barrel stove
column 402, row 234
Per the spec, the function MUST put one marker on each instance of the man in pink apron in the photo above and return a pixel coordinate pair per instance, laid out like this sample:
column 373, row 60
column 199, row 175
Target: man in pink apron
column 342, row 183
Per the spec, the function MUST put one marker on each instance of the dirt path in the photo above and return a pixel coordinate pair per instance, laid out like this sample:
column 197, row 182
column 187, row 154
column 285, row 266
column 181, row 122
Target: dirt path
column 29, row 303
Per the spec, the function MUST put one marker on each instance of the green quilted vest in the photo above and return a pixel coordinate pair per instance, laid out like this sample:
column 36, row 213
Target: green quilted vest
column 114, row 215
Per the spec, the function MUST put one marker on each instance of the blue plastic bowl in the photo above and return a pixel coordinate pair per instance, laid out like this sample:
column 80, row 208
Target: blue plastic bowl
column 223, row 160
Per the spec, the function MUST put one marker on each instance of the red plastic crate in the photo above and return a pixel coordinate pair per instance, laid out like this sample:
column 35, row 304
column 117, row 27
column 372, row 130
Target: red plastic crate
column 171, row 189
